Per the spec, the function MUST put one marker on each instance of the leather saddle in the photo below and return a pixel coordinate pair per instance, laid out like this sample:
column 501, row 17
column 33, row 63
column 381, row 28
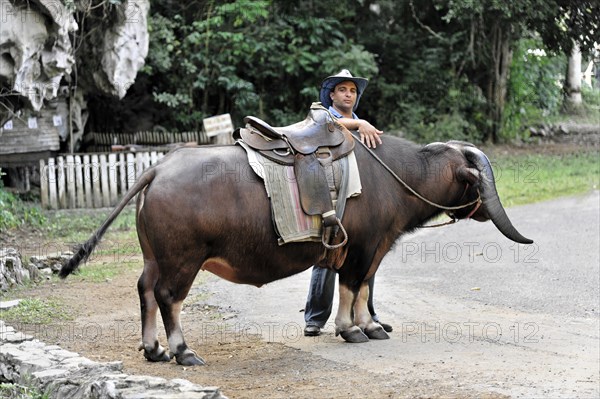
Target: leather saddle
column 308, row 146
column 317, row 132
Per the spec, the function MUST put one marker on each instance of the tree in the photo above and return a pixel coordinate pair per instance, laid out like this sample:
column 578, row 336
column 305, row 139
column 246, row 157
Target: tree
column 483, row 35
column 572, row 86
column 243, row 57
column 438, row 68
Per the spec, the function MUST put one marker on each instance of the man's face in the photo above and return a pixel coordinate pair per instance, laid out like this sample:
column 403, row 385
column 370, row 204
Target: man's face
column 343, row 96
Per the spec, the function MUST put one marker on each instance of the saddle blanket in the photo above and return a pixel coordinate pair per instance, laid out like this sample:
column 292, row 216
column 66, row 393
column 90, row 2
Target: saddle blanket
column 291, row 223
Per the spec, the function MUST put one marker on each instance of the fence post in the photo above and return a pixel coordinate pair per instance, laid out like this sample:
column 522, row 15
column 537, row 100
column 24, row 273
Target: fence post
column 96, row 181
column 104, row 188
column 87, row 181
column 139, row 166
column 112, row 177
column 44, row 183
column 80, row 201
column 52, row 184
column 130, row 170
column 70, row 181
column 123, row 173
column 153, row 158
column 62, row 189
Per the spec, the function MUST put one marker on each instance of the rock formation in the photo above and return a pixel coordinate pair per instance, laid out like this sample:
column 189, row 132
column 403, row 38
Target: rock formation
column 46, row 53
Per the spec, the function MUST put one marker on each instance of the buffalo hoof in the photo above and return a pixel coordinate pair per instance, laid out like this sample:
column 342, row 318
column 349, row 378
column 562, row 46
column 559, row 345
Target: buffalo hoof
column 189, row 358
column 377, row 333
column 354, row 335
column 155, row 353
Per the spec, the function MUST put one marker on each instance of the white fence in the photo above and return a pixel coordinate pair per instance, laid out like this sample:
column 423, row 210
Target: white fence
column 91, row 180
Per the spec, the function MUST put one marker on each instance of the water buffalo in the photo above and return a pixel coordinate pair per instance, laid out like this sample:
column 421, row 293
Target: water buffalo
column 204, row 209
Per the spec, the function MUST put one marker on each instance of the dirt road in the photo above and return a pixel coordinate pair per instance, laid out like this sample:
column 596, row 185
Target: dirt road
column 474, row 316
column 470, row 308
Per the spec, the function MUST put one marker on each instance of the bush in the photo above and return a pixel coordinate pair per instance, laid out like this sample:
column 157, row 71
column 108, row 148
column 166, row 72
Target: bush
column 15, row 213
column 591, row 97
column 534, row 87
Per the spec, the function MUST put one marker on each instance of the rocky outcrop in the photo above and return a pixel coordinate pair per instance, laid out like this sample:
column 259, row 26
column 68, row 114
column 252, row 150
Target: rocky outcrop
column 567, row 132
column 12, row 272
column 124, row 48
column 41, row 44
column 35, row 48
column 59, row 373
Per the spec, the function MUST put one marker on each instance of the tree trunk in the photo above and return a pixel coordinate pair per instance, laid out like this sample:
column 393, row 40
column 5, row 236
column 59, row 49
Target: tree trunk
column 501, row 56
column 572, row 87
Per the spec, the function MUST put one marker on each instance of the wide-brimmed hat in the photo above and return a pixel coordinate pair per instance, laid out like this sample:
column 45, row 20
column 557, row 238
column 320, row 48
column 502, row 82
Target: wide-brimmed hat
column 344, row 75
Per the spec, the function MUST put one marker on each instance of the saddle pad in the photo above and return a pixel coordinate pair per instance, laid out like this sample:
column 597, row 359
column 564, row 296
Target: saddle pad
column 291, row 223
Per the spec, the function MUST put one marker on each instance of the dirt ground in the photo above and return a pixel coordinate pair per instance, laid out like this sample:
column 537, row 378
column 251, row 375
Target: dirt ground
column 105, row 327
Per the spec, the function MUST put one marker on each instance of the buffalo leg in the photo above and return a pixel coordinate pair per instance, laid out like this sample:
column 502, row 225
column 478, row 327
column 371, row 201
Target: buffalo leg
column 170, row 295
column 344, row 325
column 153, row 351
column 362, row 316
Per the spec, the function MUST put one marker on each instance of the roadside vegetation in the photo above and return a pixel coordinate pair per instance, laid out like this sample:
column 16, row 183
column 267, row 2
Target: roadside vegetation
column 21, row 391
column 529, row 178
column 37, row 311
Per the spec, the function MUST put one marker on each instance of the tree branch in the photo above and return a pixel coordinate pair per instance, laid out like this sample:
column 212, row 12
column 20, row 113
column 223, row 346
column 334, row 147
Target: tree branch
column 422, row 25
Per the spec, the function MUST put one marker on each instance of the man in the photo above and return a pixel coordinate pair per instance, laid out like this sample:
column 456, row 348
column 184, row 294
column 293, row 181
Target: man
column 341, row 94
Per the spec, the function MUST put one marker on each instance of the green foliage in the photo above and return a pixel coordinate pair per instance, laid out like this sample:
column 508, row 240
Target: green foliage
column 192, row 59
column 524, row 179
column 591, row 97
column 15, row 213
column 432, row 64
column 36, row 311
column 243, row 58
column 20, row 391
column 534, row 90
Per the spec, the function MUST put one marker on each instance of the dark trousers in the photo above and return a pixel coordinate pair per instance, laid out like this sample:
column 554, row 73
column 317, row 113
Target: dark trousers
column 320, row 297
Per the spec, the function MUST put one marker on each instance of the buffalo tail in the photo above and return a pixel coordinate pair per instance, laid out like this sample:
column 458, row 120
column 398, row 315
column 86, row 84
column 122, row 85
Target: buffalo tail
column 84, row 250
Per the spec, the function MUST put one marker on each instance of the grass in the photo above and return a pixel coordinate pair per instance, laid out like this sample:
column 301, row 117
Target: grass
column 17, row 391
column 36, row 311
column 78, row 225
column 104, row 271
column 524, row 179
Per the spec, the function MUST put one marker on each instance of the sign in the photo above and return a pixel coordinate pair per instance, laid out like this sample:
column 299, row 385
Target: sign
column 8, row 125
column 220, row 124
column 32, row 123
column 57, row 120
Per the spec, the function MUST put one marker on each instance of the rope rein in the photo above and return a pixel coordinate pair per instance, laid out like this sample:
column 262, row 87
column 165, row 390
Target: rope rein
column 446, row 208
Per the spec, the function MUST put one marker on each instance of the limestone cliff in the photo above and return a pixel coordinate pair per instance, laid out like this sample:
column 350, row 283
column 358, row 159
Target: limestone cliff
column 35, row 49
column 60, row 51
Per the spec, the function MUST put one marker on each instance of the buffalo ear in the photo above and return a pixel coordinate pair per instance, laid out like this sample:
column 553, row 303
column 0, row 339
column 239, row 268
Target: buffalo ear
column 469, row 175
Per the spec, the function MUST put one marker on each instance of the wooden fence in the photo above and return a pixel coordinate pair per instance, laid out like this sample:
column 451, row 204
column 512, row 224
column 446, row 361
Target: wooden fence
column 91, row 180
column 104, row 141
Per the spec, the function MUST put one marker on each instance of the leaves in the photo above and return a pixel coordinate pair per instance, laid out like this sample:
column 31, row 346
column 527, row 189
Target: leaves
column 430, row 63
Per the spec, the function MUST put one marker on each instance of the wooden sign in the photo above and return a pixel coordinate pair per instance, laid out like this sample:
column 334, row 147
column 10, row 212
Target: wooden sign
column 216, row 125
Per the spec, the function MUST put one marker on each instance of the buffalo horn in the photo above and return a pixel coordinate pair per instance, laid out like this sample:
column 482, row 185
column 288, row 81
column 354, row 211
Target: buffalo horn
column 490, row 199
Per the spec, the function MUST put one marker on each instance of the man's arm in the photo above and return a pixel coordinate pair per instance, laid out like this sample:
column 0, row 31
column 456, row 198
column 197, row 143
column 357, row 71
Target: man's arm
column 368, row 134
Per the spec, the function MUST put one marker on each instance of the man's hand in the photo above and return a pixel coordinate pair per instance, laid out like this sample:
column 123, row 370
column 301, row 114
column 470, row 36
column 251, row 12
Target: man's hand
column 368, row 134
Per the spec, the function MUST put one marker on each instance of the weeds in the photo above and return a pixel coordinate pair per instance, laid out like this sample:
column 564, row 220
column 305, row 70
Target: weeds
column 36, row 311
column 17, row 391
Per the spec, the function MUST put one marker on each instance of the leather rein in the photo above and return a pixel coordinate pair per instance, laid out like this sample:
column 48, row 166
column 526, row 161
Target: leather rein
column 477, row 202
